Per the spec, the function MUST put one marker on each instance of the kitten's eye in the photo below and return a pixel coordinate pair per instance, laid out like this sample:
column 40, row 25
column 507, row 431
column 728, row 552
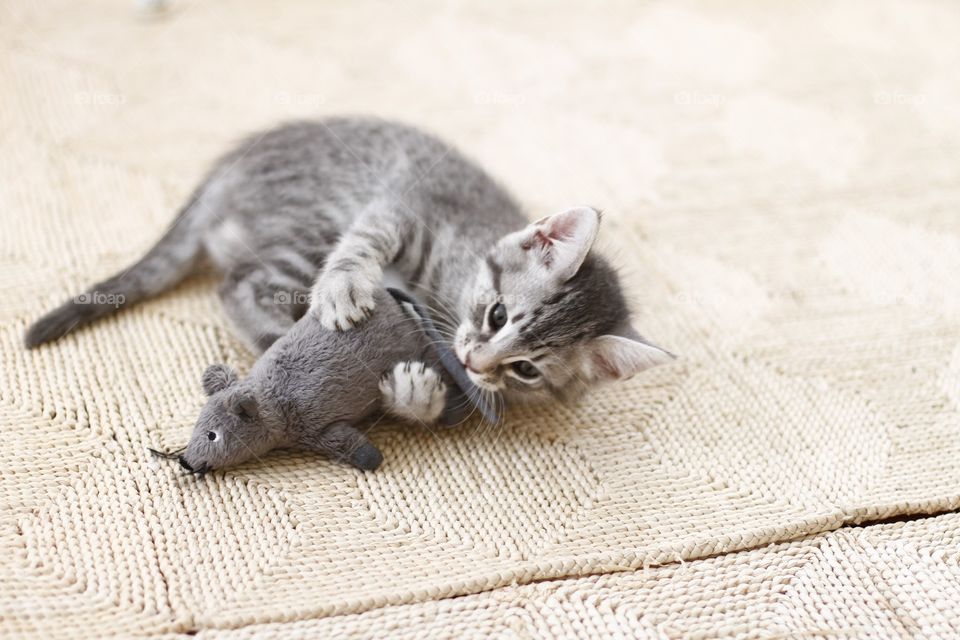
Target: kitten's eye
column 498, row 316
column 526, row 369
column 211, row 435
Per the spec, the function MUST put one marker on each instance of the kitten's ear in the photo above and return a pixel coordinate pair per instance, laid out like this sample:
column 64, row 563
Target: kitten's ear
column 563, row 240
column 614, row 357
column 217, row 377
column 243, row 403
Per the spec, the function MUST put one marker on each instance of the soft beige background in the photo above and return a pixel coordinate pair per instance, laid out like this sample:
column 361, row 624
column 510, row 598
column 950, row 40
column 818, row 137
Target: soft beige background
column 780, row 184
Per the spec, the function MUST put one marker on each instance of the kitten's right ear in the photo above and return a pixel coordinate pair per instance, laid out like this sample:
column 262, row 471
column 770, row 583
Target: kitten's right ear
column 217, row 377
column 563, row 240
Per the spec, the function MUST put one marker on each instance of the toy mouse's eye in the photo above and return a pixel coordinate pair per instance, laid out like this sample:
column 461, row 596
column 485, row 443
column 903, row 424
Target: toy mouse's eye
column 212, row 435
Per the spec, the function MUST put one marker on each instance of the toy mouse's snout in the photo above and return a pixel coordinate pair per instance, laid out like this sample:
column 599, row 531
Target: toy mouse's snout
column 200, row 470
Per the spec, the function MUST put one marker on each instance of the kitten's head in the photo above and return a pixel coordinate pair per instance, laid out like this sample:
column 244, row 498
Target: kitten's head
column 547, row 318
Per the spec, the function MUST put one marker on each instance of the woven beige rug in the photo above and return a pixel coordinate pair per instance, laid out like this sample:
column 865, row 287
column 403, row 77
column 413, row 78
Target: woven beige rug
column 886, row 581
column 780, row 186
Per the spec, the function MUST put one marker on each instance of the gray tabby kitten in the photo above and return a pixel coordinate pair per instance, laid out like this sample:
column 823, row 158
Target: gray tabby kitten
column 530, row 311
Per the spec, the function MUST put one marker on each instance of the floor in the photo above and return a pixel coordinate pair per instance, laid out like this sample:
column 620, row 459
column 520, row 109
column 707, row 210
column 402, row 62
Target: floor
column 781, row 191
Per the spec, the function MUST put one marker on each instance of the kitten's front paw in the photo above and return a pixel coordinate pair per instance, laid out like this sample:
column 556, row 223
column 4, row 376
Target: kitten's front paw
column 415, row 392
column 341, row 300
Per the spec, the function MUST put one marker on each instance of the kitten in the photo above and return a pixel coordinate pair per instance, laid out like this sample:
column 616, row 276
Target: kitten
column 532, row 313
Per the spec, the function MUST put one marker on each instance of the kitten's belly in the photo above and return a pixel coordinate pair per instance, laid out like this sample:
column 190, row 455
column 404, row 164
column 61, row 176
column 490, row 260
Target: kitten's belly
column 229, row 243
column 226, row 244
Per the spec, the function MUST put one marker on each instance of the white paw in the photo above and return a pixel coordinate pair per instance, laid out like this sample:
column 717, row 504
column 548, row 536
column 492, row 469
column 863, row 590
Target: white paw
column 341, row 300
column 413, row 391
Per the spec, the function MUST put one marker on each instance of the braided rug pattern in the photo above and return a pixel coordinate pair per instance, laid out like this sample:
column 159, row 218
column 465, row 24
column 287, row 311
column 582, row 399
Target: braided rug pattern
column 780, row 186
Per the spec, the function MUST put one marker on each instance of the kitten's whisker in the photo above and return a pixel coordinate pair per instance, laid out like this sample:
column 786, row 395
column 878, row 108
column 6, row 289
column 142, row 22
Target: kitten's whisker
column 448, row 306
column 487, row 395
column 446, row 314
column 466, row 418
column 500, row 402
column 441, row 322
column 472, row 394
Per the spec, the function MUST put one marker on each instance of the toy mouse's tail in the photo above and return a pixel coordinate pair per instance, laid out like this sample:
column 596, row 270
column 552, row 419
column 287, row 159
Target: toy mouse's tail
column 167, row 263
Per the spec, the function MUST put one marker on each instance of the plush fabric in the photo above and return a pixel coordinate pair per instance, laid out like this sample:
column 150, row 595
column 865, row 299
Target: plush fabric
column 779, row 184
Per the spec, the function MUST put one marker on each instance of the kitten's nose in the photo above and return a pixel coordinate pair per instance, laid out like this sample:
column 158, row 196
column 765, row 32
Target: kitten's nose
column 185, row 464
column 478, row 364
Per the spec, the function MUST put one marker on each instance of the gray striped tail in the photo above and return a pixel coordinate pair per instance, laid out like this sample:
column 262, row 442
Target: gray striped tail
column 166, row 264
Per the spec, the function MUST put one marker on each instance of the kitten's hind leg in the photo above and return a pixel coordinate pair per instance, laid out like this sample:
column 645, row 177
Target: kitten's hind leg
column 344, row 443
column 262, row 303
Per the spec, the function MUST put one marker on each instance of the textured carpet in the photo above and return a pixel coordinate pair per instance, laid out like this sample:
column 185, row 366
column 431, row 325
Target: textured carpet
column 888, row 581
column 780, row 186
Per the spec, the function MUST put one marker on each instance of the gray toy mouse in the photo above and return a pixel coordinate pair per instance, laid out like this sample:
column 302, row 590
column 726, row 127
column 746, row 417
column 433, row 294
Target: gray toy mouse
column 313, row 386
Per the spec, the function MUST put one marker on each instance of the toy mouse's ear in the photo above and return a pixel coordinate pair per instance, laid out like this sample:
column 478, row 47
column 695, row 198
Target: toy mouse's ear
column 217, row 377
column 243, row 403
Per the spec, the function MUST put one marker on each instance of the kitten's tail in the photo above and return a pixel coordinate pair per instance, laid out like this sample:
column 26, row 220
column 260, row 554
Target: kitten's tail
column 168, row 262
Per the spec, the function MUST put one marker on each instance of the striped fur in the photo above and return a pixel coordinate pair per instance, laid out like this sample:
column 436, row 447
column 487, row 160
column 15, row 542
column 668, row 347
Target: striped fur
column 347, row 198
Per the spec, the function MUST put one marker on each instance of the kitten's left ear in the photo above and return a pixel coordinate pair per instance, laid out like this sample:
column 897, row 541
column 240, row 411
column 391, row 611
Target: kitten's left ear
column 563, row 240
column 616, row 357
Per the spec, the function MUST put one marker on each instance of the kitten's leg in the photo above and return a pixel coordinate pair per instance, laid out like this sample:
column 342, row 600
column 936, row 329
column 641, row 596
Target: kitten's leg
column 415, row 392
column 261, row 303
column 343, row 294
column 343, row 443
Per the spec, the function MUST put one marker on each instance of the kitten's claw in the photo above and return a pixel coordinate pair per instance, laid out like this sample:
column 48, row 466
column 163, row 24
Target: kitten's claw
column 342, row 300
column 415, row 392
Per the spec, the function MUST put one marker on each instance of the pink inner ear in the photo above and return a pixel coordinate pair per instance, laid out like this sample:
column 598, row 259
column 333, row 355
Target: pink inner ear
column 543, row 238
column 561, row 227
column 605, row 367
column 551, row 229
column 543, row 242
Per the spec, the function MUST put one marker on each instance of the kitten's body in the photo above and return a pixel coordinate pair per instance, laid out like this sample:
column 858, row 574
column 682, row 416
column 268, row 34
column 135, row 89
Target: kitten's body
column 348, row 197
column 276, row 206
column 272, row 210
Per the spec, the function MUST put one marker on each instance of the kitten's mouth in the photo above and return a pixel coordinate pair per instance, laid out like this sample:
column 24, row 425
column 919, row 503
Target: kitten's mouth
column 460, row 350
